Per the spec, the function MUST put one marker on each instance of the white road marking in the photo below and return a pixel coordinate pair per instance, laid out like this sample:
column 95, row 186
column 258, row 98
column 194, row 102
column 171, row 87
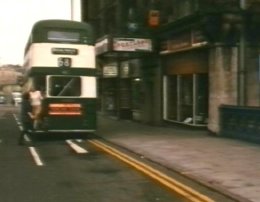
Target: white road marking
column 15, row 117
column 79, row 140
column 36, row 156
column 76, row 147
column 18, row 122
column 20, row 127
column 27, row 139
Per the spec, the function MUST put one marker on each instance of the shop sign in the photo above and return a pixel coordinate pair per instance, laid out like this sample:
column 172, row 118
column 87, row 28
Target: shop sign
column 101, row 46
column 110, row 71
column 183, row 41
column 197, row 38
column 179, row 42
column 132, row 44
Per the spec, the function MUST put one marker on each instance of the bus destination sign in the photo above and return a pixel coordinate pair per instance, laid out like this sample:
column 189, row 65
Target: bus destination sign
column 64, row 51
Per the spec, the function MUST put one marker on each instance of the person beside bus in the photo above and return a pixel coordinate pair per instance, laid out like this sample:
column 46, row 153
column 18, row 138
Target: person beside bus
column 26, row 113
column 36, row 101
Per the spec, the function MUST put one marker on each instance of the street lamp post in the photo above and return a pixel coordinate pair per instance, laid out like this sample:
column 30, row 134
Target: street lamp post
column 75, row 6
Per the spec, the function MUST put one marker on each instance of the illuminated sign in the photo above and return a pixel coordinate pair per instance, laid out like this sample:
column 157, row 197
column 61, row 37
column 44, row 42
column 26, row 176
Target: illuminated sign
column 64, row 109
column 154, row 18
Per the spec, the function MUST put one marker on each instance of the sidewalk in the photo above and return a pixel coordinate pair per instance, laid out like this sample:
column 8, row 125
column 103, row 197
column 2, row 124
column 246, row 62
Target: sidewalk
column 231, row 166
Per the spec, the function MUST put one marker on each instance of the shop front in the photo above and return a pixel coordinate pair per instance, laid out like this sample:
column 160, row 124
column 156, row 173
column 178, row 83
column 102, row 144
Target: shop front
column 121, row 80
column 185, row 79
column 108, row 89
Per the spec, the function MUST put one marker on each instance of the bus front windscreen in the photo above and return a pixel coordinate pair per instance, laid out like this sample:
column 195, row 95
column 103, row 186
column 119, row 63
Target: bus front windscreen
column 64, row 86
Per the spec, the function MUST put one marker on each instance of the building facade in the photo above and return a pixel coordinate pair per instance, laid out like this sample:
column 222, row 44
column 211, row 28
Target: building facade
column 171, row 61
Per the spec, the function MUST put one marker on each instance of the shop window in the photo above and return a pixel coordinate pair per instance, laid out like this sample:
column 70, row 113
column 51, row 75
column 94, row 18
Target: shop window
column 125, row 94
column 137, row 94
column 201, row 102
column 109, row 96
column 186, row 98
column 172, row 98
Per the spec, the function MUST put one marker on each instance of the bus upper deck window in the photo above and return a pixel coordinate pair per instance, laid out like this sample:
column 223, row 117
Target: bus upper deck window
column 63, row 36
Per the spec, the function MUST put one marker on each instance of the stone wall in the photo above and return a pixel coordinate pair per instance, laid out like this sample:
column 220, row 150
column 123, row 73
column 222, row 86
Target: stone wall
column 222, row 82
column 253, row 78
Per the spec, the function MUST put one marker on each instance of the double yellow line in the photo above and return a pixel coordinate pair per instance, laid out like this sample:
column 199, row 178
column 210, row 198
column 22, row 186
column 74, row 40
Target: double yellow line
column 167, row 181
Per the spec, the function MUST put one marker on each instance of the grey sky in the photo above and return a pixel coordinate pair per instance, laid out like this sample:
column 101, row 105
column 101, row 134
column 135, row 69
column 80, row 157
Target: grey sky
column 16, row 20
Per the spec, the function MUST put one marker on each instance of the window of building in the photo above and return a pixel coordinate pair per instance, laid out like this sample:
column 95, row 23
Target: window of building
column 137, row 94
column 186, row 98
column 172, row 99
column 172, row 10
column 110, row 20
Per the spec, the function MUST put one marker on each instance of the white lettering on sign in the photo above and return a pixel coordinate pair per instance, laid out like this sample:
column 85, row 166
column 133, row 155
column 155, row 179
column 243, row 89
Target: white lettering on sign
column 132, row 44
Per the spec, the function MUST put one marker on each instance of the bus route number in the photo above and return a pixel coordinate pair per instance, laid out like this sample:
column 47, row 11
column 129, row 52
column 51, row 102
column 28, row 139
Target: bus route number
column 64, row 62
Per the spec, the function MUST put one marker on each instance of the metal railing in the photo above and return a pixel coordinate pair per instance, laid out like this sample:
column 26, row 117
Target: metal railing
column 240, row 122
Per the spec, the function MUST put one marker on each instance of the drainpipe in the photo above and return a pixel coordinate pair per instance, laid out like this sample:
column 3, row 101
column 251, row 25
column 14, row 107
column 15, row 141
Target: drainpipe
column 241, row 66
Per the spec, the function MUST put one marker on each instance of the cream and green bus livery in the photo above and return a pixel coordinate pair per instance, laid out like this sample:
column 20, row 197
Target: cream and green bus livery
column 59, row 60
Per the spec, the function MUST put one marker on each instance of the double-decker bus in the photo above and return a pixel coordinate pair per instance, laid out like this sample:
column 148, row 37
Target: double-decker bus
column 59, row 60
